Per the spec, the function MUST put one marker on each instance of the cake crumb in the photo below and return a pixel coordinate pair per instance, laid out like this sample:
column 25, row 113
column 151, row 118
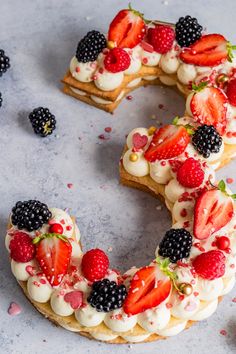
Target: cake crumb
column 110, row 249
column 158, row 207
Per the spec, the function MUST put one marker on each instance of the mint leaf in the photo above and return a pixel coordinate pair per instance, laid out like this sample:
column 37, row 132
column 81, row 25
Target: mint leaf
column 200, row 87
column 222, row 186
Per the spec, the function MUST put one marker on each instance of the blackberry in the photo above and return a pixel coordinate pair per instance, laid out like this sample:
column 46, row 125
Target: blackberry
column 0, row 99
column 176, row 244
column 107, row 296
column 43, row 122
column 206, row 140
column 187, row 31
column 4, row 62
column 90, row 46
column 30, row 215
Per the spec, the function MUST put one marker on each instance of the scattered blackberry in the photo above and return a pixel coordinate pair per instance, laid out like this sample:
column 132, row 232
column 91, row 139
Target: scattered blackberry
column 90, row 46
column 0, row 99
column 175, row 245
column 4, row 62
column 43, row 122
column 107, row 296
column 187, row 31
column 206, row 140
column 30, row 215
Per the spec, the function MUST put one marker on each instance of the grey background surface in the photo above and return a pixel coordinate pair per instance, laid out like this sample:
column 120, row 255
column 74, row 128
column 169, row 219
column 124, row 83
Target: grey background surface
column 40, row 37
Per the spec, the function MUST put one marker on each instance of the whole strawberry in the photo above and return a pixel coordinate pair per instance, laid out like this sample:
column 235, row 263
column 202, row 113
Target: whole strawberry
column 231, row 92
column 117, row 60
column 95, row 264
column 190, row 174
column 210, row 265
column 161, row 38
column 21, row 247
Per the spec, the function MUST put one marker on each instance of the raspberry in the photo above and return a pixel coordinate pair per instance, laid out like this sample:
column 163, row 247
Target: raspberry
column 161, row 38
column 95, row 264
column 231, row 92
column 117, row 60
column 210, row 265
column 190, row 173
column 21, row 247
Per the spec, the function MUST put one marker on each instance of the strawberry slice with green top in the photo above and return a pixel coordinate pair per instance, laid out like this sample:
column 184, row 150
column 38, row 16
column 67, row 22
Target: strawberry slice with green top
column 53, row 253
column 127, row 29
column 167, row 142
column 209, row 106
column 149, row 287
column 213, row 210
column 209, row 50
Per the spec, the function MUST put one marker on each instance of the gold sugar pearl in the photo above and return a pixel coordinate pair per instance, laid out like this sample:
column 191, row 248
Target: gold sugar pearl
column 222, row 79
column 186, row 289
column 151, row 130
column 110, row 44
column 133, row 157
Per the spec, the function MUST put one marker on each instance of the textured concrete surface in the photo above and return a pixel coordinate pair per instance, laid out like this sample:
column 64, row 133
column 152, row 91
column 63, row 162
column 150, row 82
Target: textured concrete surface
column 40, row 37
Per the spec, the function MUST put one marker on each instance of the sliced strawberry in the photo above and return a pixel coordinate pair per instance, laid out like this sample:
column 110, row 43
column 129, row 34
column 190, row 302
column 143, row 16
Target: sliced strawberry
column 213, row 210
column 209, row 50
column 167, row 142
column 149, row 287
column 53, row 252
column 127, row 29
column 209, row 106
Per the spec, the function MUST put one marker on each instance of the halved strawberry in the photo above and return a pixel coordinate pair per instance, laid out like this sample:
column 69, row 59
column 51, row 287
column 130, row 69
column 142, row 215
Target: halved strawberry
column 209, row 50
column 213, row 210
column 209, row 106
column 149, row 287
column 127, row 29
column 53, row 252
column 167, row 142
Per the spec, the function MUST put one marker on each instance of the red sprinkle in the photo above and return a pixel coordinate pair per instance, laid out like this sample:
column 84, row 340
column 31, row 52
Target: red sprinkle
column 108, row 129
column 168, row 305
column 68, row 228
column 223, row 332
column 161, row 106
column 70, row 185
column 145, row 60
column 183, row 213
column 77, row 69
column 129, row 98
column 229, row 180
column 42, row 281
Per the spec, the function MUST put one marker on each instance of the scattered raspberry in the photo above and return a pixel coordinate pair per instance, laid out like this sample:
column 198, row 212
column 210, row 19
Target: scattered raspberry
column 234, row 300
column 231, row 92
column 95, row 264
column 129, row 98
column 161, row 38
column 117, row 60
column 210, row 265
column 21, row 247
column 70, row 185
column 190, row 174
column 223, row 332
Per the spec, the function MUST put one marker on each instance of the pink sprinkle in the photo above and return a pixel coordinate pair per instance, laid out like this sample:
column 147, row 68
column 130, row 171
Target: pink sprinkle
column 52, row 221
column 163, row 163
column 70, row 185
column 30, row 270
column 36, row 284
column 229, row 180
column 108, row 129
column 14, row 309
column 145, row 60
column 160, row 106
column 129, row 98
column 62, row 221
column 77, row 69
column 223, row 332
column 42, row 281
column 168, row 305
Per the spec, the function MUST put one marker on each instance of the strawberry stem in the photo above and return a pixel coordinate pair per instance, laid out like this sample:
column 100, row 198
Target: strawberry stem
column 221, row 186
column 39, row 238
column 164, row 267
column 200, row 87
column 230, row 48
column 188, row 127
